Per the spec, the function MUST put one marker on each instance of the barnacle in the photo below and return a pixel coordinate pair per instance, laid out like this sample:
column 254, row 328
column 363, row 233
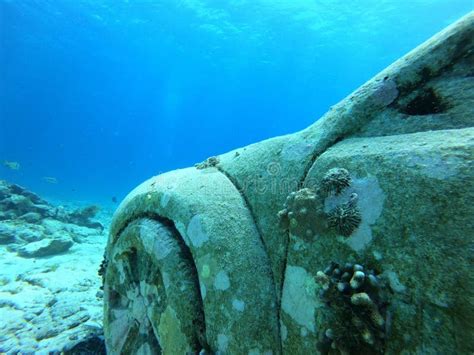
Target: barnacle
column 346, row 217
column 335, row 180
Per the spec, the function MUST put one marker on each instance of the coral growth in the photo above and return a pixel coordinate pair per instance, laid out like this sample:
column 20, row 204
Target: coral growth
column 335, row 181
column 303, row 211
column 208, row 163
column 355, row 320
column 346, row 218
column 102, row 269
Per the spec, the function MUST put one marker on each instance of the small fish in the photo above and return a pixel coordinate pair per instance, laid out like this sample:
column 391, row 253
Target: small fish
column 114, row 199
column 14, row 165
column 50, row 179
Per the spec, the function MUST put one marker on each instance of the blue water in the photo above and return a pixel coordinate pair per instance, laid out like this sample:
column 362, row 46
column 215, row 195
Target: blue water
column 102, row 95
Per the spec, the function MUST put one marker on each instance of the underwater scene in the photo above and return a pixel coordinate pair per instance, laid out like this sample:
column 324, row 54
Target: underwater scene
column 236, row 177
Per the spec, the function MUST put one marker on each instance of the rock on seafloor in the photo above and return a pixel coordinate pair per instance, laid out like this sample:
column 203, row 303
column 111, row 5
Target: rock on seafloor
column 50, row 246
column 50, row 293
column 352, row 236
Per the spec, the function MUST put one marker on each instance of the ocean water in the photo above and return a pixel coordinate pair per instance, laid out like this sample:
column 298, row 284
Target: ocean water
column 97, row 96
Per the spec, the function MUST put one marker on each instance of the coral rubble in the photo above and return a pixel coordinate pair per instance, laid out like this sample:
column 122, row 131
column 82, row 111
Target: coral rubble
column 50, row 298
